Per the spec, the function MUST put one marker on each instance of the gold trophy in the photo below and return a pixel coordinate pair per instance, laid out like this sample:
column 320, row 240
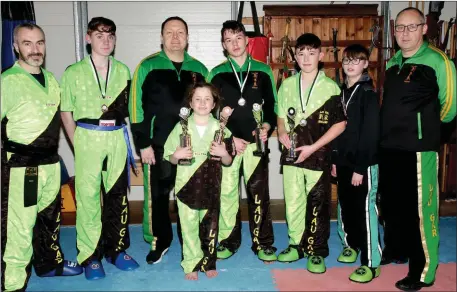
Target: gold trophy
column 257, row 111
column 291, row 154
column 219, row 135
column 184, row 138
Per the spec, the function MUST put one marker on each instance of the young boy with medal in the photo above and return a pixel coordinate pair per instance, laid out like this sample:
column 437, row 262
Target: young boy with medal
column 356, row 169
column 245, row 83
column 318, row 118
column 95, row 95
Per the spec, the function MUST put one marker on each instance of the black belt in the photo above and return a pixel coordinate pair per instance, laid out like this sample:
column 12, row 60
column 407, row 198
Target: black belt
column 96, row 122
column 28, row 150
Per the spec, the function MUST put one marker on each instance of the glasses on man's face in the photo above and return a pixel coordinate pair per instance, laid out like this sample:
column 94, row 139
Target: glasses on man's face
column 347, row 61
column 411, row 27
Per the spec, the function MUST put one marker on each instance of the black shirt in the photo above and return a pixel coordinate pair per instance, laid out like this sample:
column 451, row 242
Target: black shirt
column 40, row 78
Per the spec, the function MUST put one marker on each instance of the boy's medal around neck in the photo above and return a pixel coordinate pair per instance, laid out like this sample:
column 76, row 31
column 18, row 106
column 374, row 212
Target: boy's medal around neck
column 346, row 104
column 104, row 106
column 241, row 100
column 303, row 121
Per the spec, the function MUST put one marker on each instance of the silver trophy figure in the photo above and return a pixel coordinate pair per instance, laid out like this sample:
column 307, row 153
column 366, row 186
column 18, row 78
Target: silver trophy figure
column 291, row 154
column 219, row 135
column 257, row 111
column 184, row 138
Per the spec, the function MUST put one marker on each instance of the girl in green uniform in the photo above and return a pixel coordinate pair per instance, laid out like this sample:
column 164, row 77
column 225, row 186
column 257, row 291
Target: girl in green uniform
column 198, row 185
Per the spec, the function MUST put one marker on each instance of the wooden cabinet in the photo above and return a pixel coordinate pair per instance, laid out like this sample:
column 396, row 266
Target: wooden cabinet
column 353, row 22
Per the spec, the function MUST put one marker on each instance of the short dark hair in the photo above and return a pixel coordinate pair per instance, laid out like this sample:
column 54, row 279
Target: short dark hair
column 233, row 26
column 356, row 51
column 27, row 25
column 217, row 98
column 101, row 24
column 422, row 16
column 171, row 19
column 307, row 40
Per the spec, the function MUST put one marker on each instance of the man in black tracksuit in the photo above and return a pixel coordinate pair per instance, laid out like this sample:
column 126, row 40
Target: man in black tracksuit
column 157, row 94
column 419, row 94
column 243, row 82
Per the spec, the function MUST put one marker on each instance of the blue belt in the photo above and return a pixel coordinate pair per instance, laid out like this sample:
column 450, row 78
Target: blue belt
column 130, row 157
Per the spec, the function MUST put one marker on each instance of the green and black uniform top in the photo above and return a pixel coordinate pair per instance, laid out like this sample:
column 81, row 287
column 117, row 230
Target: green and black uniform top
column 357, row 146
column 259, row 87
column 319, row 106
column 87, row 95
column 30, row 116
column 419, row 93
column 157, row 94
column 199, row 185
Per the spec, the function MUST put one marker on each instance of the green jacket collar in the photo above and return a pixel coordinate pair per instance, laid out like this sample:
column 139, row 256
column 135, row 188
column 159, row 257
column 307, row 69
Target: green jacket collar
column 187, row 57
column 245, row 64
column 398, row 58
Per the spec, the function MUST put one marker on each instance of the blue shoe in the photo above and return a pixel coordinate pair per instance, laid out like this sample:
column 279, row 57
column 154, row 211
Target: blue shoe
column 69, row 269
column 124, row 262
column 94, row 270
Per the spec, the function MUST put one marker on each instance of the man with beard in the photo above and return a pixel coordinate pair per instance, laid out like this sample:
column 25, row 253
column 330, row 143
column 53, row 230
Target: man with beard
column 419, row 94
column 157, row 94
column 31, row 201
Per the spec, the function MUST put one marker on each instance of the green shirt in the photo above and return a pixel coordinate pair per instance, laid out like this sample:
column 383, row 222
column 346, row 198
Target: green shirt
column 289, row 96
column 200, row 148
column 81, row 92
column 28, row 106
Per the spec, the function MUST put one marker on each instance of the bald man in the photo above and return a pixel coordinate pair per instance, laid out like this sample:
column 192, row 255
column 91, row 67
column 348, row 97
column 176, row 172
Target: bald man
column 419, row 94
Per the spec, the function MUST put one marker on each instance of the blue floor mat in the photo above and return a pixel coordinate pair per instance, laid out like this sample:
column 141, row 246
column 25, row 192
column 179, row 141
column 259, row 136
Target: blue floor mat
column 242, row 272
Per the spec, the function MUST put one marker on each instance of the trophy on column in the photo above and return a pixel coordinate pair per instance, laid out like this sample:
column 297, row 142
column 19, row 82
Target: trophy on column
column 219, row 135
column 291, row 154
column 184, row 138
column 261, row 149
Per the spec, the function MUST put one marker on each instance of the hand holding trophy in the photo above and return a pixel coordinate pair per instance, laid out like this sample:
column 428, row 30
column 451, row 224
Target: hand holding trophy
column 257, row 111
column 291, row 154
column 219, row 135
column 185, row 138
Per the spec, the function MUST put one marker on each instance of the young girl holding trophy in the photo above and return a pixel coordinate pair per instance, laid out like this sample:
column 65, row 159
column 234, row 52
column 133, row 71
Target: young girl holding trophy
column 200, row 145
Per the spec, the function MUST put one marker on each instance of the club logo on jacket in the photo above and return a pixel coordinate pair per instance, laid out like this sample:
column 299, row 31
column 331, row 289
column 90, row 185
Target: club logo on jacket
column 323, row 117
column 408, row 79
column 255, row 75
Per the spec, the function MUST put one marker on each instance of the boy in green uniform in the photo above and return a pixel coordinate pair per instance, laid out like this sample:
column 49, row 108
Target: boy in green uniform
column 96, row 90
column 245, row 82
column 310, row 103
column 198, row 185
column 30, row 202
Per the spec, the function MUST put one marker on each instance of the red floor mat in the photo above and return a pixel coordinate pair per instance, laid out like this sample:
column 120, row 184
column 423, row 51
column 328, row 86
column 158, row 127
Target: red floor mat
column 336, row 279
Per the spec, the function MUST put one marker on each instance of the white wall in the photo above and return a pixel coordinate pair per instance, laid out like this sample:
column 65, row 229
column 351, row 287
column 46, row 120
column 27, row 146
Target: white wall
column 138, row 32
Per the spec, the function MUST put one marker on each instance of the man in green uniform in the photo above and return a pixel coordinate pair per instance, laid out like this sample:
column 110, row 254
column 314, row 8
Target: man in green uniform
column 95, row 90
column 419, row 94
column 30, row 202
column 244, row 82
column 158, row 90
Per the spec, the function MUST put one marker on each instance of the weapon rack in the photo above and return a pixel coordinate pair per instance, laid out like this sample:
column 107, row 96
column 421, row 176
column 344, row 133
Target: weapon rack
column 353, row 22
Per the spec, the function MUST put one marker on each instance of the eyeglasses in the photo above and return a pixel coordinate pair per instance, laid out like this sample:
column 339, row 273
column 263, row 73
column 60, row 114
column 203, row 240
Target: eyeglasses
column 347, row 61
column 411, row 27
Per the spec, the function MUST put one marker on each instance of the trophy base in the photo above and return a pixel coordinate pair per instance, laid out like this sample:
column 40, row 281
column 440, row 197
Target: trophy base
column 261, row 153
column 186, row 161
column 290, row 159
column 214, row 158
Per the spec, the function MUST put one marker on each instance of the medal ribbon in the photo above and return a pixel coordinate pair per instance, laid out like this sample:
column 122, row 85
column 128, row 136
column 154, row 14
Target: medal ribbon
column 345, row 105
column 238, row 79
column 98, row 80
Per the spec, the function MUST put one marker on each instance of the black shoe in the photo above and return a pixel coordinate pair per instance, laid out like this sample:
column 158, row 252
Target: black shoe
column 155, row 256
column 385, row 260
column 408, row 284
